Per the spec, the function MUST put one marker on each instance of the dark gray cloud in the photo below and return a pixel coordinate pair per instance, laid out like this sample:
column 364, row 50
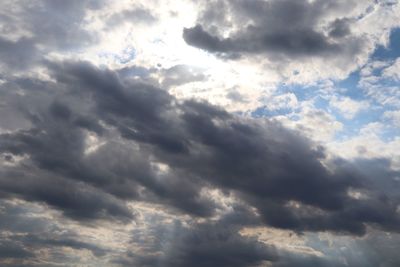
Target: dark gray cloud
column 19, row 54
column 32, row 30
column 56, row 144
column 11, row 250
column 275, row 28
column 274, row 170
column 217, row 243
column 84, row 203
column 58, row 23
column 199, row 244
column 25, row 235
column 202, row 143
column 340, row 28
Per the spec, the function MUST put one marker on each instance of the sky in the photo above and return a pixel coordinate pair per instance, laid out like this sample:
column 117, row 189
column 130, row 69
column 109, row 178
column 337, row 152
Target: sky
column 218, row 133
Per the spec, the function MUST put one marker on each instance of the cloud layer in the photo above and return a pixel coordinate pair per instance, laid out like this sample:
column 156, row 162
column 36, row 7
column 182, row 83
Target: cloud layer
column 105, row 163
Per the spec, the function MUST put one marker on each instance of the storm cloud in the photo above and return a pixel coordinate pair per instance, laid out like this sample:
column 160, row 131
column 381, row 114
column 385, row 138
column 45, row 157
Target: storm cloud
column 202, row 143
column 274, row 28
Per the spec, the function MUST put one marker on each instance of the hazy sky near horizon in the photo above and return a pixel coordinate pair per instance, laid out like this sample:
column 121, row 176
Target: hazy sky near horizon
column 218, row 133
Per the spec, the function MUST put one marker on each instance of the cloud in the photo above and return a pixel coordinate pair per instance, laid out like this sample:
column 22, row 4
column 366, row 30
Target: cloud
column 203, row 244
column 135, row 16
column 181, row 74
column 11, row 250
column 348, row 107
column 171, row 154
column 26, row 236
column 201, row 145
column 86, row 203
column 378, row 81
column 32, row 31
column 301, row 41
column 109, row 158
column 393, row 116
column 19, row 54
column 285, row 28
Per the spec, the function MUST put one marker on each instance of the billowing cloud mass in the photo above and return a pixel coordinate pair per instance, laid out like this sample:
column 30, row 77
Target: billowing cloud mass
column 219, row 133
column 288, row 28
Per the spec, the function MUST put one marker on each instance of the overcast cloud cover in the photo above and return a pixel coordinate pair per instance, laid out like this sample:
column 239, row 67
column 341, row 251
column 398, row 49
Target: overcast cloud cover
column 218, row 133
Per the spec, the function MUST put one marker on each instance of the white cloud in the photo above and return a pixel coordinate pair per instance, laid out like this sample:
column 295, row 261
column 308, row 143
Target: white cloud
column 316, row 124
column 376, row 86
column 368, row 144
column 393, row 116
column 347, row 106
column 393, row 71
